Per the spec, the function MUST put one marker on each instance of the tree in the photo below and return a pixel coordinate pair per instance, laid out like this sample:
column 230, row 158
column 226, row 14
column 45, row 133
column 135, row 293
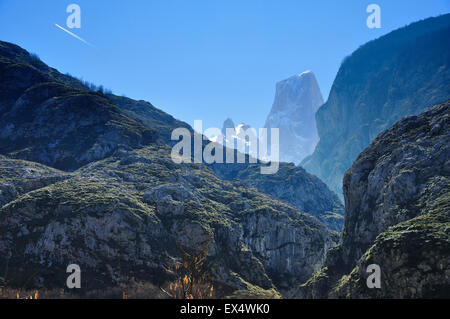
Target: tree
column 192, row 279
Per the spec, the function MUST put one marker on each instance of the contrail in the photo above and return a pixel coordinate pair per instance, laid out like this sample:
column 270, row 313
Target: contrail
column 74, row 35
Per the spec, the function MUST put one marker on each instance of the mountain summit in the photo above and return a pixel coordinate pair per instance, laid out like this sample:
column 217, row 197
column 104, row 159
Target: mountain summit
column 296, row 101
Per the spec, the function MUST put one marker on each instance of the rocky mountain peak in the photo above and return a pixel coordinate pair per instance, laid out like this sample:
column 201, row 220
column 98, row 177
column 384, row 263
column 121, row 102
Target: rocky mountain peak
column 297, row 99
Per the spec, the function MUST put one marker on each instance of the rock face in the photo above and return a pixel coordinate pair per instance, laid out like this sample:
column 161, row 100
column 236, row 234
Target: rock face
column 291, row 184
column 293, row 112
column 397, row 215
column 401, row 175
column 399, row 74
column 19, row 177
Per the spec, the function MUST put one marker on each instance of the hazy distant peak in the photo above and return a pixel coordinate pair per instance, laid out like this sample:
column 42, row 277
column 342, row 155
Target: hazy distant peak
column 297, row 99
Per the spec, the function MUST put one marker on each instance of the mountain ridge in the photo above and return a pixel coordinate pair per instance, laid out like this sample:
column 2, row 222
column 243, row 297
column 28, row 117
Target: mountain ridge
column 296, row 101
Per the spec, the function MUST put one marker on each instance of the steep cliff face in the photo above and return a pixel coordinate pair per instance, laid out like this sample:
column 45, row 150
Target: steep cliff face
column 400, row 176
column 397, row 215
column 293, row 113
column 399, row 74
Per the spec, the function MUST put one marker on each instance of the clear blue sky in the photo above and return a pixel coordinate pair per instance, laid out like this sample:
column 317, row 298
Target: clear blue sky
column 203, row 59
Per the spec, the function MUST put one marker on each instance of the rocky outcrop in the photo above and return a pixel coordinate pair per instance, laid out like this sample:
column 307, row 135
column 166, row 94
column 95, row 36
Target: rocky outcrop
column 397, row 215
column 399, row 74
column 413, row 257
column 402, row 173
column 19, row 177
column 293, row 112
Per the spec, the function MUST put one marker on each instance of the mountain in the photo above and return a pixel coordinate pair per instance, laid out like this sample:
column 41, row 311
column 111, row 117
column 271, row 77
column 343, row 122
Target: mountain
column 87, row 178
column 293, row 112
column 397, row 215
column 45, row 120
column 55, row 120
column 399, row 74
